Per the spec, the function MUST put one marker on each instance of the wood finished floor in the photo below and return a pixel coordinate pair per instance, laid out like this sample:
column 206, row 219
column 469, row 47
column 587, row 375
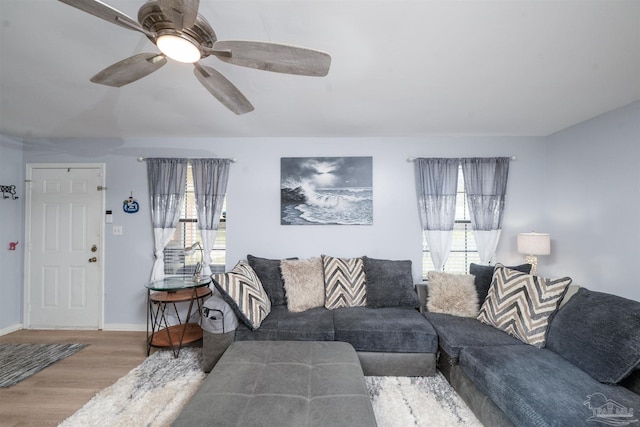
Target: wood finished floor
column 55, row 393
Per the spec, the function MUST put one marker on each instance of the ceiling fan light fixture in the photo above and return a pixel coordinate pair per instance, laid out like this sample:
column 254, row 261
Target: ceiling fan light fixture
column 178, row 48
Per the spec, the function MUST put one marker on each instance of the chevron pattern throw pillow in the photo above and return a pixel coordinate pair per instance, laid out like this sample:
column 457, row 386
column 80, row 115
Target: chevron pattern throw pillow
column 522, row 305
column 344, row 282
column 242, row 290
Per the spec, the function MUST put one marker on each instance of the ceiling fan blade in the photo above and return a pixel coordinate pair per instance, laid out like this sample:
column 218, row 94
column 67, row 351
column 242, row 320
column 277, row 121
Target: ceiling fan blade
column 280, row 58
column 130, row 69
column 182, row 13
column 106, row 12
column 224, row 91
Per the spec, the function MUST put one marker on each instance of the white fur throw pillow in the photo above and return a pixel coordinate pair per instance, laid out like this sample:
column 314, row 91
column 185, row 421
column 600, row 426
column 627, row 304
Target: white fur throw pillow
column 453, row 294
column 303, row 283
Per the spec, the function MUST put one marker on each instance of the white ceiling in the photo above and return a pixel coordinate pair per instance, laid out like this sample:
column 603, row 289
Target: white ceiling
column 399, row 68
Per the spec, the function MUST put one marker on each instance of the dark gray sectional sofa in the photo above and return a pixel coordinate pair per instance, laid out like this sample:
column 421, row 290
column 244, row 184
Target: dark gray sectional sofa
column 390, row 335
column 587, row 374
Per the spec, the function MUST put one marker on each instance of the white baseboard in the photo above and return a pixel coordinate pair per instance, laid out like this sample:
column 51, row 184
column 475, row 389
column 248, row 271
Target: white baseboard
column 12, row 328
column 124, row 327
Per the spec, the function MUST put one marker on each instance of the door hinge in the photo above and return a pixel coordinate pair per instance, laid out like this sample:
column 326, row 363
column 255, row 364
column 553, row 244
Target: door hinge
column 101, row 188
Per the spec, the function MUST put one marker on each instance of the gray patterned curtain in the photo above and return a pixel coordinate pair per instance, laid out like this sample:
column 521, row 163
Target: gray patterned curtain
column 436, row 184
column 485, row 181
column 166, row 178
column 210, row 178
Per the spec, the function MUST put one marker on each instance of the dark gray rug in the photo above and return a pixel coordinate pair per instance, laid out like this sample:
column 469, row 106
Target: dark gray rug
column 20, row 361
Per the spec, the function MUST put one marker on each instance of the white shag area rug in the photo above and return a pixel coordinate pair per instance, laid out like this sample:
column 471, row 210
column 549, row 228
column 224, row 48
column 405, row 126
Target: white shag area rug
column 418, row 401
column 154, row 393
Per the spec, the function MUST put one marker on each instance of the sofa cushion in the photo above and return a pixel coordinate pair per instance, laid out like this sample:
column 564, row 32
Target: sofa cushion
column 452, row 294
column 344, row 282
column 484, row 276
column 522, row 304
column 598, row 332
column 537, row 387
column 303, row 283
column 268, row 270
column 389, row 283
column 315, row 324
column 456, row 333
column 242, row 290
column 390, row 329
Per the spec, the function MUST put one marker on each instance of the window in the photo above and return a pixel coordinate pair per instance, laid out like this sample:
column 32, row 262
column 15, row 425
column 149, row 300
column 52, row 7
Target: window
column 187, row 234
column 463, row 247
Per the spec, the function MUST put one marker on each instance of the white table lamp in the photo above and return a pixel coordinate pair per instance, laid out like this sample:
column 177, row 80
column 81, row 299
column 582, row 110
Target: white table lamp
column 532, row 244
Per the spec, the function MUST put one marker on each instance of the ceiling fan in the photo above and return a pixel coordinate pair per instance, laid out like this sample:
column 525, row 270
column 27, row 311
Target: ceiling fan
column 182, row 34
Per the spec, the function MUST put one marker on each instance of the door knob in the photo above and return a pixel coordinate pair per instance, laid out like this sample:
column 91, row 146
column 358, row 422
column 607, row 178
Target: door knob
column 94, row 248
column 93, row 259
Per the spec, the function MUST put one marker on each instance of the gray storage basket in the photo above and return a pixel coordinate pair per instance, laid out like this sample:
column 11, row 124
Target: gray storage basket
column 219, row 323
column 217, row 316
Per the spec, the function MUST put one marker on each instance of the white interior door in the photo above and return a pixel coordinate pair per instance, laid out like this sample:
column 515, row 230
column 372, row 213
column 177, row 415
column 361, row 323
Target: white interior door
column 63, row 263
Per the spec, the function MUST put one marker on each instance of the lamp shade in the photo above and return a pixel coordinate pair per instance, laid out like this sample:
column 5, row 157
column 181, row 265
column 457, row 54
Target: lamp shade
column 534, row 243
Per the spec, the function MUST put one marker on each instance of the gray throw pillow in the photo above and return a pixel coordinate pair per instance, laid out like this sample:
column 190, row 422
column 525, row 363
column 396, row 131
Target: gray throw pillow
column 389, row 283
column 599, row 333
column 268, row 271
column 484, row 275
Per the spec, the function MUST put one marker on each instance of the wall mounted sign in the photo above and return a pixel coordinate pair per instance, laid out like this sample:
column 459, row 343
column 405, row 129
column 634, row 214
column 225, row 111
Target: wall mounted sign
column 130, row 206
column 326, row 190
column 8, row 191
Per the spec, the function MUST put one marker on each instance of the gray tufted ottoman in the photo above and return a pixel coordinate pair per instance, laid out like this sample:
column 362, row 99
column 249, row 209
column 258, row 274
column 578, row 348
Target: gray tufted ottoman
column 282, row 383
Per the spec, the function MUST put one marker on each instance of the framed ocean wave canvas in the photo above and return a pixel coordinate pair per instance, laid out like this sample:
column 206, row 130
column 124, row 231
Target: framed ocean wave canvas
column 326, row 190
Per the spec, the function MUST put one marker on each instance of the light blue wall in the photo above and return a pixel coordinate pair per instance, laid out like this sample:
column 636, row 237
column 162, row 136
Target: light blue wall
column 254, row 196
column 582, row 185
column 11, row 226
column 593, row 202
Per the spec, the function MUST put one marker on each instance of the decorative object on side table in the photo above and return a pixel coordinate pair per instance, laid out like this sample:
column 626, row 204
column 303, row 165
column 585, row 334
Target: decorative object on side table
column 190, row 250
column 532, row 244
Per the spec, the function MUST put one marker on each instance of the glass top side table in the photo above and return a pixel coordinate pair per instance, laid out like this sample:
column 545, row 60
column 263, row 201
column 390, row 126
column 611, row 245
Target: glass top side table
column 162, row 298
column 176, row 283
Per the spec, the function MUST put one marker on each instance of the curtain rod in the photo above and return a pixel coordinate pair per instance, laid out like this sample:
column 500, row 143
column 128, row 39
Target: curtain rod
column 142, row 159
column 411, row 159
